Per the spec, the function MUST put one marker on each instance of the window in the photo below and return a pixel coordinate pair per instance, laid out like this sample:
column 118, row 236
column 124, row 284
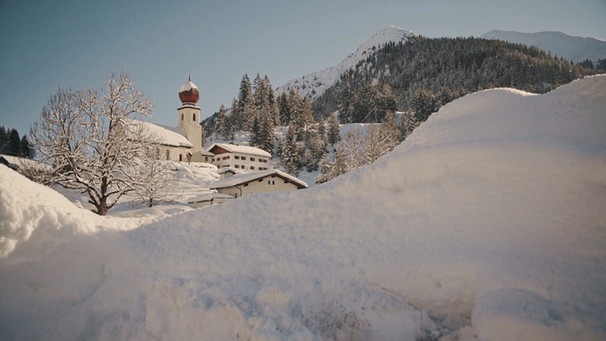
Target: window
column 194, row 118
column 243, row 157
column 180, row 157
column 182, row 117
column 237, row 166
column 157, row 153
column 226, row 158
column 252, row 159
column 252, row 167
column 237, row 157
column 168, row 154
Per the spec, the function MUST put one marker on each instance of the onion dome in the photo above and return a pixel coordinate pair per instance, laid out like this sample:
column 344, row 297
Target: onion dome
column 188, row 93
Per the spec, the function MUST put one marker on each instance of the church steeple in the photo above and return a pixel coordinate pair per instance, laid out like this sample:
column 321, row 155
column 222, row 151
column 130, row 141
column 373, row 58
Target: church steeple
column 189, row 93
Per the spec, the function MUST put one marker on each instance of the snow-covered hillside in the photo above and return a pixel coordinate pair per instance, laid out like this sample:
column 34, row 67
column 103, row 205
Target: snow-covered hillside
column 314, row 84
column 487, row 223
column 576, row 49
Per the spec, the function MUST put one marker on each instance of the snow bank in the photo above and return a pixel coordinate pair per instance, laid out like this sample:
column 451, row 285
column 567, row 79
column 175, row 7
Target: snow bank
column 487, row 223
column 37, row 214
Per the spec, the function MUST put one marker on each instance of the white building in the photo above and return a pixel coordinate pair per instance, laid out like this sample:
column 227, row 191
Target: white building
column 241, row 158
column 270, row 180
column 184, row 142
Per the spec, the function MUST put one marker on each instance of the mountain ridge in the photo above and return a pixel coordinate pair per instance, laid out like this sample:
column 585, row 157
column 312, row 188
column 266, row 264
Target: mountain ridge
column 573, row 48
column 314, row 84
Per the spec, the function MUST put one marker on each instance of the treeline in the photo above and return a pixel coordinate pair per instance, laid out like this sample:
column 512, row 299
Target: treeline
column 445, row 69
column 13, row 144
column 258, row 110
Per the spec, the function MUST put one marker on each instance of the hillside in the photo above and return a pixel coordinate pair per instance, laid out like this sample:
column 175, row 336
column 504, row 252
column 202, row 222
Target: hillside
column 576, row 49
column 487, row 223
column 448, row 68
column 314, row 84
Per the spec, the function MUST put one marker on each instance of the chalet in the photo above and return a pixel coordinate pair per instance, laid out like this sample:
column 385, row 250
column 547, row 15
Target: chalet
column 270, row 180
column 241, row 158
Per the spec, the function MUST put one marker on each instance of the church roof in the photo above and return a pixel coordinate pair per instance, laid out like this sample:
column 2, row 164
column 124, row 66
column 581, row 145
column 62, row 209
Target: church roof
column 165, row 135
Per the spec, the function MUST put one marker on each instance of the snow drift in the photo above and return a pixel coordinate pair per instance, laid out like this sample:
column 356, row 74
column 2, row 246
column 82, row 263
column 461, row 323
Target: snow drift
column 487, row 223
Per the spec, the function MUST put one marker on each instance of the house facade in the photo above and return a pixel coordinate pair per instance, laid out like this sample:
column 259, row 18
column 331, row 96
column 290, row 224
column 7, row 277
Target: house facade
column 266, row 181
column 241, row 158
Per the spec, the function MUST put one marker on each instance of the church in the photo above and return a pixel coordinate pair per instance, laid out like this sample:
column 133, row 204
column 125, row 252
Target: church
column 183, row 143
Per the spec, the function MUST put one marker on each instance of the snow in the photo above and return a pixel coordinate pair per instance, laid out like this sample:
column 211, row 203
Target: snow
column 240, row 149
column 487, row 223
column 314, row 84
column 165, row 135
column 252, row 176
column 187, row 86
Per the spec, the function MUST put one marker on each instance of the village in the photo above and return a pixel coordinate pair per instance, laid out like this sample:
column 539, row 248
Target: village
column 240, row 169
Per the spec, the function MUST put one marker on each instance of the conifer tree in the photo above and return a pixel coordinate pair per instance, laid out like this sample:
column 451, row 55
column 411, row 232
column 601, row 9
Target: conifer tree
column 27, row 149
column 284, row 109
column 346, row 100
column 245, row 113
column 334, row 129
column 290, row 152
column 13, row 144
column 224, row 126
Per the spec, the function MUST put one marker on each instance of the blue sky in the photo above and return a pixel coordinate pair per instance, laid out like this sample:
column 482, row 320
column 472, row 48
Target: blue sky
column 45, row 45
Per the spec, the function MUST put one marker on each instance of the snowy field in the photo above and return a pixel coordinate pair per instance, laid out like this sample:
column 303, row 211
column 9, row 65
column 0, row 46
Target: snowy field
column 487, row 223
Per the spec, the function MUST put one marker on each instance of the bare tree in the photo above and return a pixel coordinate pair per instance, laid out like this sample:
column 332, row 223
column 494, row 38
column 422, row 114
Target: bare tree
column 84, row 134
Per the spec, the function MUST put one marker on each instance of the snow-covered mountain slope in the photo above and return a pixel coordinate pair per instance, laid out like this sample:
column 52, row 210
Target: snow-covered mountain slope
column 572, row 48
column 487, row 223
column 314, row 84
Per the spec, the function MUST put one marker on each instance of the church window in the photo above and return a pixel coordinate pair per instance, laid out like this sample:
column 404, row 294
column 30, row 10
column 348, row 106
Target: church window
column 180, row 157
column 194, row 118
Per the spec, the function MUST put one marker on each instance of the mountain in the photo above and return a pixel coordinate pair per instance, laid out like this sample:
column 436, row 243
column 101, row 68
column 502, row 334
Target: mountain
column 576, row 49
column 438, row 70
column 313, row 85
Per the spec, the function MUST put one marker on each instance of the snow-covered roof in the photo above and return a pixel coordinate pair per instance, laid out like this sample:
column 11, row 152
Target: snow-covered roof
column 20, row 161
column 187, row 86
column 165, row 135
column 208, row 197
column 232, row 148
column 249, row 177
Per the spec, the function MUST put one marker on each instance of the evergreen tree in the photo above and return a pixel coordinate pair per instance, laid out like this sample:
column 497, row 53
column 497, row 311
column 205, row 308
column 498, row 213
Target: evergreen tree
column 245, row 114
column 315, row 148
column 27, row 149
column 262, row 133
column 13, row 144
column 346, row 100
column 224, row 126
column 284, row 109
column 290, row 152
column 3, row 139
column 334, row 130
column 423, row 104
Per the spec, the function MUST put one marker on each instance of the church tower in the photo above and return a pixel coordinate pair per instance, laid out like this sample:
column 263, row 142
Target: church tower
column 188, row 116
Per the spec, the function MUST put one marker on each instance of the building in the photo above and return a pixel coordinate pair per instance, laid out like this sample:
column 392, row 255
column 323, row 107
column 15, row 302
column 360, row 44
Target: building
column 270, row 180
column 241, row 158
column 184, row 142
